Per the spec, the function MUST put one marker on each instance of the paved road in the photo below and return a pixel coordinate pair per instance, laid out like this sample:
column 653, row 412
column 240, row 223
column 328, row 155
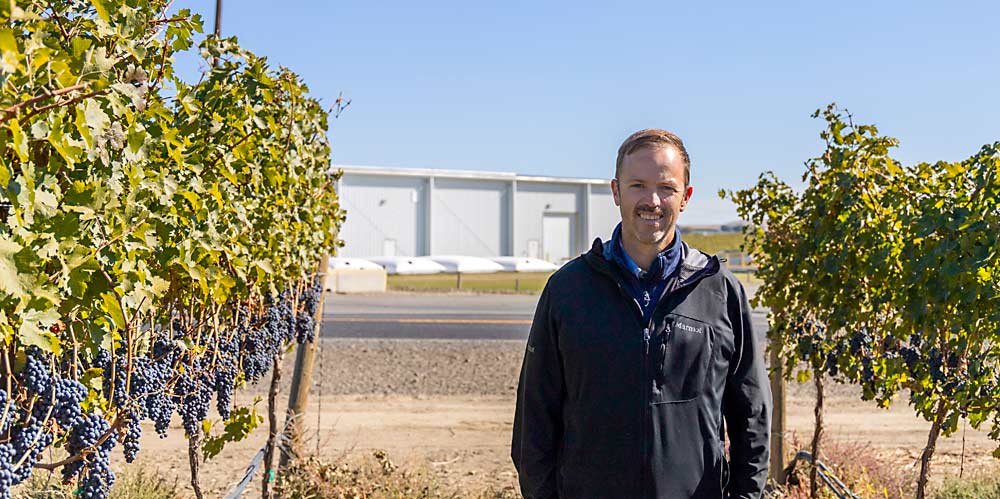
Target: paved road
column 436, row 316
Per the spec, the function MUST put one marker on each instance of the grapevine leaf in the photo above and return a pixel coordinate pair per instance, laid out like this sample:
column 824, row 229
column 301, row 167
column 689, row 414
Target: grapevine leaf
column 10, row 280
column 110, row 305
column 35, row 326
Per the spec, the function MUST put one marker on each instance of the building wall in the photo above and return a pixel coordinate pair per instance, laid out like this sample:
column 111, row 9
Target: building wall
column 604, row 215
column 535, row 201
column 421, row 212
column 382, row 209
column 469, row 217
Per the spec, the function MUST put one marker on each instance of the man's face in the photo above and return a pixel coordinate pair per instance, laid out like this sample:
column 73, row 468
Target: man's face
column 651, row 194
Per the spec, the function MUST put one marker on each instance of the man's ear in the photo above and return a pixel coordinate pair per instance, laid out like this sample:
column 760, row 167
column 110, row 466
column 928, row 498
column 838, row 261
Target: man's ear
column 687, row 197
column 614, row 192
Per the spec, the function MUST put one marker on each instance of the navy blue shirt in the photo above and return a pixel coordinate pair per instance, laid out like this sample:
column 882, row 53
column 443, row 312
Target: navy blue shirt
column 646, row 286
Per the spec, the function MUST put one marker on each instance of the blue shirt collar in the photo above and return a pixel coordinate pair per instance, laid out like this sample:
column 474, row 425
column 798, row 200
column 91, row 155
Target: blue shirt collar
column 663, row 265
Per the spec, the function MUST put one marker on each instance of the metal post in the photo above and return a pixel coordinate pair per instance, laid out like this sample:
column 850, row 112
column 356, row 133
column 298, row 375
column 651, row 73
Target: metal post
column 777, row 418
column 305, row 357
column 429, row 218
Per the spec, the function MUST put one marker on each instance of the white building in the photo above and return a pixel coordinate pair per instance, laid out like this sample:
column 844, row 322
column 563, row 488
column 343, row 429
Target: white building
column 419, row 212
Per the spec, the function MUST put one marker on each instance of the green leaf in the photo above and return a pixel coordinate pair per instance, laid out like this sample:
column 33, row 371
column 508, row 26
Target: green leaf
column 35, row 326
column 20, row 141
column 113, row 308
column 101, row 6
column 11, row 281
column 8, row 43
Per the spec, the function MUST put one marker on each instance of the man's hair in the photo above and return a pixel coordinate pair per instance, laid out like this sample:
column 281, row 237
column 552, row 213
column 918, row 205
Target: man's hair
column 653, row 137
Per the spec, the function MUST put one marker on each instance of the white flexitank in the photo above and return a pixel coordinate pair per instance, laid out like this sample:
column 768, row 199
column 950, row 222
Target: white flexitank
column 467, row 264
column 522, row 264
column 406, row 265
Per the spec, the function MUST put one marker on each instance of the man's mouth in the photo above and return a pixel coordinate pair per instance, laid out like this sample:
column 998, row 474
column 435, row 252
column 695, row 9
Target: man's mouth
column 650, row 217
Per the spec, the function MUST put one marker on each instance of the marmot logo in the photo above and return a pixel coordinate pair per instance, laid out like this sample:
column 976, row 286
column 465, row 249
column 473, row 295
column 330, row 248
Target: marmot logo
column 685, row 327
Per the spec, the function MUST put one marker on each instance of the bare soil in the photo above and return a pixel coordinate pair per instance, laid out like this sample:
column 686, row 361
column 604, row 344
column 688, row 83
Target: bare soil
column 448, row 406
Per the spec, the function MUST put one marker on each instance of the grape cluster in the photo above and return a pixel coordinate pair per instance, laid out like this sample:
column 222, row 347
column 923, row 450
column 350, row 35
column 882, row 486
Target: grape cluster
column 35, row 375
column 305, row 322
column 85, row 440
column 860, row 340
column 935, row 363
column 141, row 383
column 69, row 395
column 193, row 397
column 911, row 356
column 29, row 441
column 133, row 432
column 6, row 470
column 225, row 384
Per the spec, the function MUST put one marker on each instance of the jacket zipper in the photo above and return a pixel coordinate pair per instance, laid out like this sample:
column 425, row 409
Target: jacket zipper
column 646, row 334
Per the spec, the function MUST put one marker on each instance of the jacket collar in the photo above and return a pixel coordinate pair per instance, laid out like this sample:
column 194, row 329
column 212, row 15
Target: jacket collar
column 695, row 264
column 663, row 265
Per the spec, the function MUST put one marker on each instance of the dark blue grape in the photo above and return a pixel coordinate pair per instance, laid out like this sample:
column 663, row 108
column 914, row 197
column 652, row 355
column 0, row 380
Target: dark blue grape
column 6, row 470
column 35, row 376
column 225, row 383
column 133, row 432
column 69, row 395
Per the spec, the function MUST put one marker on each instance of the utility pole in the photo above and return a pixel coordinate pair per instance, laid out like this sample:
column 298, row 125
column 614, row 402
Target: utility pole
column 305, row 357
column 218, row 18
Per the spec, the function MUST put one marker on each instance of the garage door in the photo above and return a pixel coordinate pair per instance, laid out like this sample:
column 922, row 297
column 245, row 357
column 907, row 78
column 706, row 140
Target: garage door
column 557, row 237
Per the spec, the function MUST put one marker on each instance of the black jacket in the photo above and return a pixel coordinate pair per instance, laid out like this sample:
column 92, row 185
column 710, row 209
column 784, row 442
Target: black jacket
column 610, row 407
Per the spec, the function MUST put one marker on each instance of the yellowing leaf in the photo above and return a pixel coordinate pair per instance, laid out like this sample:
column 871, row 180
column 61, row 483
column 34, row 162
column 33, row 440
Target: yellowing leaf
column 10, row 279
column 101, row 7
column 114, row 309
column 8, row 44
column 35, row 326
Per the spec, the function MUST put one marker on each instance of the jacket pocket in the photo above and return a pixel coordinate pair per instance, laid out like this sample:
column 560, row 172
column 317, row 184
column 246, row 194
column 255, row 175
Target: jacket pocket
column 683, row 362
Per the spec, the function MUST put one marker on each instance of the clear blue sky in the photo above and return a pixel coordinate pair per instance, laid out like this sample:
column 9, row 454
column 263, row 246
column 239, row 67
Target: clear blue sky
column 553, row 88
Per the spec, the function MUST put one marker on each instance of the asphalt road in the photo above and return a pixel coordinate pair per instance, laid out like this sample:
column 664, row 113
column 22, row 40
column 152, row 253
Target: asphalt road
column 436, row 316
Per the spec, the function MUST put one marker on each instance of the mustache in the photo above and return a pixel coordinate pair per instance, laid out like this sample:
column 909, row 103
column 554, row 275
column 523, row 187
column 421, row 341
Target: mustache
column 648, row 209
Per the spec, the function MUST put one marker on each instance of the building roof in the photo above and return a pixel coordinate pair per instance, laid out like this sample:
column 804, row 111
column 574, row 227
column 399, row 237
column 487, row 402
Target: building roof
column 466, row 174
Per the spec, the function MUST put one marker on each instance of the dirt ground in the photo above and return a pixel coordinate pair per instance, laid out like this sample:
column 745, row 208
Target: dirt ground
column 447, row 406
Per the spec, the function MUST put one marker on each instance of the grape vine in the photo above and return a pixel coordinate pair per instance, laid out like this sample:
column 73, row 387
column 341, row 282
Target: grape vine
column 885, row 275
column 158, row 238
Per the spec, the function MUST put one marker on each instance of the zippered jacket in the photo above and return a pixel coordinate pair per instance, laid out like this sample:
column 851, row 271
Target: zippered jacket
column 611, row 406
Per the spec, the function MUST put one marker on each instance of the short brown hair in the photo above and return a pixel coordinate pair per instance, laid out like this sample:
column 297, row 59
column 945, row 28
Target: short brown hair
column 653, row 137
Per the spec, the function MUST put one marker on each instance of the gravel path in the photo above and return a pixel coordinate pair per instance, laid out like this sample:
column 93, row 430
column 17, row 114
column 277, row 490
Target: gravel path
column 411, row 367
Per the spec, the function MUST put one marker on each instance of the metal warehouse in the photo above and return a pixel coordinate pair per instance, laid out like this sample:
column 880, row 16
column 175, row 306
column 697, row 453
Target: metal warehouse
column 421, row 212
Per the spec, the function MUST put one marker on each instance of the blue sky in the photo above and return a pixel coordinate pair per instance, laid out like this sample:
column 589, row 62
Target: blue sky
column 552, row 88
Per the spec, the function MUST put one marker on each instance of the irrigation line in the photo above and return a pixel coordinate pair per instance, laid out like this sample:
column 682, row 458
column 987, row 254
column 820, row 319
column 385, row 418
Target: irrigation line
column 319, row 388
column 833, row 483
column 255, row 464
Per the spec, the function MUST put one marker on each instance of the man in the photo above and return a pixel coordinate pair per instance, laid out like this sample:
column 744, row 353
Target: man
column 641, row 355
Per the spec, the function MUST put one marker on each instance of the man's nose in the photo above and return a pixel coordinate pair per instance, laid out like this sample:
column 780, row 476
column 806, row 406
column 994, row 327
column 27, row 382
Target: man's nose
column 652, row 197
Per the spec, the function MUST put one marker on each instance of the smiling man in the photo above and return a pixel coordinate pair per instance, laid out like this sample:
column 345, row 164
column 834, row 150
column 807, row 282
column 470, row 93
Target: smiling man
column 641, row 357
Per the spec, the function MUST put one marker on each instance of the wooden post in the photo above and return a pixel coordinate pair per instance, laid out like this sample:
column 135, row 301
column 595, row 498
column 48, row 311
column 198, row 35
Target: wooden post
column 305, row 357
column 777, row 418
column 459, row 280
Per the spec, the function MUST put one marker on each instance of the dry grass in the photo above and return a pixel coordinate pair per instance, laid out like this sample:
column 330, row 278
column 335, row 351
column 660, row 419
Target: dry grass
column 134, row 483
column 714, row 243
column 857, row 465
column 373, row 477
